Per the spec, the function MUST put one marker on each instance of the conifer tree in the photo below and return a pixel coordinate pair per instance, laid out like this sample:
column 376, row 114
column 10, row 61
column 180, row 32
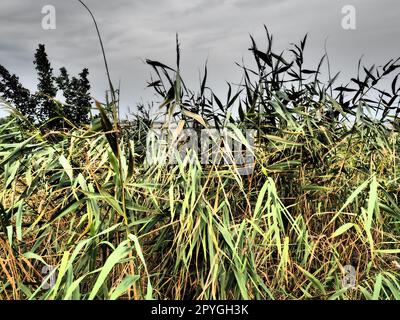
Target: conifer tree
column 12, row 91
column 47, row 91
column 77, row 96
column 41, row 107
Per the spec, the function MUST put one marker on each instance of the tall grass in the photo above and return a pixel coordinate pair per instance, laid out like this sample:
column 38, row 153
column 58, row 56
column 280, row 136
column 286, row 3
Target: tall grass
column 323, row 194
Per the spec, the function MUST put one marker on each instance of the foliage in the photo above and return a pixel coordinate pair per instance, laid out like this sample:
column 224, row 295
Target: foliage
column 323, row 194
column 12, row 91
column 42, row 108
column 77, row 97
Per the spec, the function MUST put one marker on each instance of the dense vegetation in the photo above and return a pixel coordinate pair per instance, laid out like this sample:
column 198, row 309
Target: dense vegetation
column 323, row 194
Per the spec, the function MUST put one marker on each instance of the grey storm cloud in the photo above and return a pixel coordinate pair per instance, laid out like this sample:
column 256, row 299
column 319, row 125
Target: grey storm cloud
column 213, row 30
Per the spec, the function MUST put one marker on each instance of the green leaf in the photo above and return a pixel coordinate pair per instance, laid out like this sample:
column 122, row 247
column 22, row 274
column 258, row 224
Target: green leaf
column 10, row 234
column 194, row 116
column 125, row 284
column 18, row 222
column 313, row 280
column 31, row 255
column 116, row 257
column 377, row 287
column 111, row 136
column 342, row 229
column 67, row 167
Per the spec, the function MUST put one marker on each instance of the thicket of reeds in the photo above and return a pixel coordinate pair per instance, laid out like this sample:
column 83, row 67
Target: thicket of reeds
column 323, row 193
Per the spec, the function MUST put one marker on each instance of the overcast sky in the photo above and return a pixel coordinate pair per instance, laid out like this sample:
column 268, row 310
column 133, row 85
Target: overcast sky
column 213, row 30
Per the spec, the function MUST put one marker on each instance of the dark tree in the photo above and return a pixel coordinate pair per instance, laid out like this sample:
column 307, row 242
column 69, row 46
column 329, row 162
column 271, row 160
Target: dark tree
column 42, row 107
column 64, row 84
column 12, row 91
column 83, row 102
column 49, row 110
column 77, row 96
